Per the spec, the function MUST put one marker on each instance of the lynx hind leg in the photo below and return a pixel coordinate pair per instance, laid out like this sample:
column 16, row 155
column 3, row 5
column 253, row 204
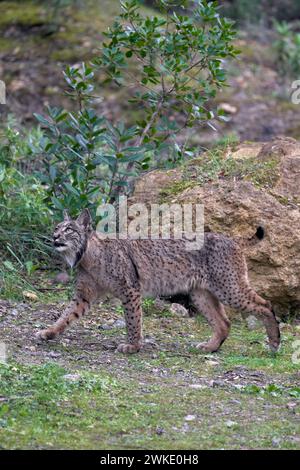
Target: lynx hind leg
column 75, row 310
column 249, row 302
column 207, row 304
column 266, row 314
column 131, row 300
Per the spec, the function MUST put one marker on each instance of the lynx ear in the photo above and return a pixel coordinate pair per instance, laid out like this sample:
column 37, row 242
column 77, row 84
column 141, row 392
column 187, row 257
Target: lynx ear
column 66, row 215
column 85, row 219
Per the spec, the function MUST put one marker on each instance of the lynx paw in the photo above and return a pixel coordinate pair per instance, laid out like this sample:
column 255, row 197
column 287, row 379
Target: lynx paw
column 274, row 346
column 207, row 347
column 127, row 348
column 45, row 334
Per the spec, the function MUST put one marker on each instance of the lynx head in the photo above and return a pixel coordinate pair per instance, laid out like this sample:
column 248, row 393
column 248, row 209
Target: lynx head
column 70, row 236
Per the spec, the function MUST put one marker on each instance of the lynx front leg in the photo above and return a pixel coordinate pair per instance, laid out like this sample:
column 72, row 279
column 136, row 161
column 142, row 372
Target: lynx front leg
column 133, row 317
column 76, row 309
column 206, row 303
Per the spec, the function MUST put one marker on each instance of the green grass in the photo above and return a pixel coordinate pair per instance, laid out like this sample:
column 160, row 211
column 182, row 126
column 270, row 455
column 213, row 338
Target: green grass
column 242, row 397
column 41, row 408
column 12, row 13
column 219, row 163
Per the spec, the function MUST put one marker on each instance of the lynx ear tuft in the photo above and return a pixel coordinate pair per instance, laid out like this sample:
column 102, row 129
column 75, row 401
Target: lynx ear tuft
column 85, row 219
column 66, row 215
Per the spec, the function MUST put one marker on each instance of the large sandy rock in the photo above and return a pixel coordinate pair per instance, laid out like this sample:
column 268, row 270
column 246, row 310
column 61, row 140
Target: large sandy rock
column 236, row 206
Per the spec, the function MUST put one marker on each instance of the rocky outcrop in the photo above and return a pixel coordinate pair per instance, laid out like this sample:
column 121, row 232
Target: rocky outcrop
column 237, row 205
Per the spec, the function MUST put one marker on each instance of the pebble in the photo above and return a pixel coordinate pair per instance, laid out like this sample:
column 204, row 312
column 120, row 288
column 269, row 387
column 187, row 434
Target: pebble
column 159, row 431
column 72, row 377
column 119, row 324
column 276, row 441
column 179, row 310
column 252, row 323
column 53, row 354
column 61, row 278
column 105, row 327
column 190, row 418
column 230, row 423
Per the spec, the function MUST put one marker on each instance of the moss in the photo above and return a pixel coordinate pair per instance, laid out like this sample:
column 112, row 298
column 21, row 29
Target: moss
column 7, row 45
column 176, row 188
column 27, row 14
column 68, row 55
column 261, row 174
column 285, row 200
column 218, row 164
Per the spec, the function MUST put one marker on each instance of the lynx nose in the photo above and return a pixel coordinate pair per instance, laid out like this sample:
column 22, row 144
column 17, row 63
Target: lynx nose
column 56, row 240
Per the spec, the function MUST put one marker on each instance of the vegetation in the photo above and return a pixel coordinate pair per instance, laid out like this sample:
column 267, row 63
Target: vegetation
column 168, row 398
column 219, row 164
column 175, row 63
column 139, row 96
column 262, row 10
column 287, row 50
column 78, row 158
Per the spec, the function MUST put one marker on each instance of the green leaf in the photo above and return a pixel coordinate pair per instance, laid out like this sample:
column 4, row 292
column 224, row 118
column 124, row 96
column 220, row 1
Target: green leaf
column 57, row 203
column 9, row 265
column 71, row 189
column 42, row 120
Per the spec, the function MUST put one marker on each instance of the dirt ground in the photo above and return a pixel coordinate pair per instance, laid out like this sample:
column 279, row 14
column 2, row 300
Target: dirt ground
column 241, row 397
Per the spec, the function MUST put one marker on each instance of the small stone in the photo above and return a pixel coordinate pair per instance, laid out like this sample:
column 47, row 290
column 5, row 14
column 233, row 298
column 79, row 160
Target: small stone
column 216, row 383
column 53, row 354
column 198, row 386
column 30, row 295
column 291, row 405
column 105, row 327
column 72, row 377
column 235, row 402
column 252, row 323
column 276, row 441
column 159, row 431
column 179, row 310
column 230, row 423
column 119, row 324
column 61, row 278
column 228, row 108
column 190, row 418
column 212, row 363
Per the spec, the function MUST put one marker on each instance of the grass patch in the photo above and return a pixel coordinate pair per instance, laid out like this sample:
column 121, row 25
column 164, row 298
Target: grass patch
column 47, row 407
column 27, row 14
column 169, row 397
column 219, row 164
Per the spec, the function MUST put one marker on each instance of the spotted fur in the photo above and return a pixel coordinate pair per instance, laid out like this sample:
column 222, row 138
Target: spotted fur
column 207, row 279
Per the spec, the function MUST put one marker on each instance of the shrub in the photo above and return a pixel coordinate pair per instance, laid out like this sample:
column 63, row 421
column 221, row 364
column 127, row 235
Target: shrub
column 255, row 11
column 175, row 63
column 287, row 50
column 24, row 215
